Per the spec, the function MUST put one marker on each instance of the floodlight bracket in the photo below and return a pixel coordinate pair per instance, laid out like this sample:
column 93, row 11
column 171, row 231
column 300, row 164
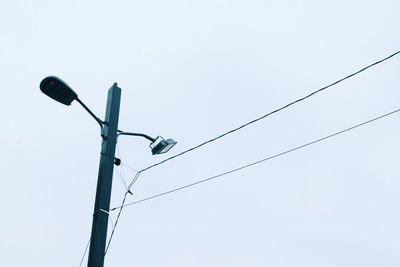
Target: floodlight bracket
column 136, row 134
column 158, row 145
column 100, row 122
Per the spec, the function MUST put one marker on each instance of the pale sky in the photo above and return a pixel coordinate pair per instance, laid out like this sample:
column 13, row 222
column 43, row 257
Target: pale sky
column 191, row 70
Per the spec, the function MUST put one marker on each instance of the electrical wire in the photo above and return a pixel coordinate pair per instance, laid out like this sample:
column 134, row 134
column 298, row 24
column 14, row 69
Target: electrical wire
column 113, row 230
column 238, row 128
column 120, row 172
column 84, row 253
column 122, row 179
column 259, row 161
column 128, row 191
column 133, row 181
column 87, row 246
column 111, row 220
column 272, row 112
column 123, row 163
column 129, row 167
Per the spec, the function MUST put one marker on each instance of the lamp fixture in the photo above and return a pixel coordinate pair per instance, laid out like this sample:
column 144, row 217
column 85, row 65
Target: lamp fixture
column 160, row 145
column 57, row 89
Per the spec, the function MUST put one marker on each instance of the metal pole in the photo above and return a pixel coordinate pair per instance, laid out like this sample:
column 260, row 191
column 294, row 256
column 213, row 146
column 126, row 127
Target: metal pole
column 103, row 193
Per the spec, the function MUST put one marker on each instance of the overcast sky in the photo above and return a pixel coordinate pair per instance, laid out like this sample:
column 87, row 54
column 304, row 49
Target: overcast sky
column 191, row 70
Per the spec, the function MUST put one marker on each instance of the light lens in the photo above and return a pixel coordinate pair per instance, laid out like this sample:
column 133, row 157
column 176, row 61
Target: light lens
column 161, row 146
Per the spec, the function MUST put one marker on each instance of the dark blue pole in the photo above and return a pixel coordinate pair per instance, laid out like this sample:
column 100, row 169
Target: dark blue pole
column 104, row 183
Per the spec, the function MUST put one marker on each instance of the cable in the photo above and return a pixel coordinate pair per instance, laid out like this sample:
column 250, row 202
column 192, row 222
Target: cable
column 120, row 210
column 257, row 162
column 129, row 167
column 133, row 181
column 111, row 220
column 128, row 191
column 87, row 246
column 115, row 225
column 122, row 179
column 84, row 253
column 270, row 113
column 123, row 163
column 238, row 128
column 120, row 173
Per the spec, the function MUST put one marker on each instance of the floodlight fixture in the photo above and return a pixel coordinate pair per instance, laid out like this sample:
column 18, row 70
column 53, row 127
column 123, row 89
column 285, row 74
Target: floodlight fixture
column 57, row 89
column 160, row 145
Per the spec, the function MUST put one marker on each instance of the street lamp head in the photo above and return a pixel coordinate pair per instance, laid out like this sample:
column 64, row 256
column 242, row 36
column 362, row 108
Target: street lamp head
column 160, row 145
column 57, row 89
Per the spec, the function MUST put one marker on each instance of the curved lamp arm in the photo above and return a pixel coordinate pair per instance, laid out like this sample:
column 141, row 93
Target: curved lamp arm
column 100, row 122
column 58, row 90
column 137, row 134
column 158, row 145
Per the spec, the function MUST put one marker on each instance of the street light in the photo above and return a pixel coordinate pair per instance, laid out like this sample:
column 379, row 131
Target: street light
column 158, row 145
column 58, row 90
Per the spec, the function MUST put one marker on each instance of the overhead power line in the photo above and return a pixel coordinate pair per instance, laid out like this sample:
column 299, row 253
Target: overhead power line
column 272, row 112
column 128, row 191
column 84, row 253
column 238, row 128
column 258, row 162
column 87, row 246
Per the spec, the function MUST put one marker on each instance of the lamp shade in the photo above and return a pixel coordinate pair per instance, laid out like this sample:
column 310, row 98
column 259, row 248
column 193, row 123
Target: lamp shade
column 57, row 89
column 161, row 146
